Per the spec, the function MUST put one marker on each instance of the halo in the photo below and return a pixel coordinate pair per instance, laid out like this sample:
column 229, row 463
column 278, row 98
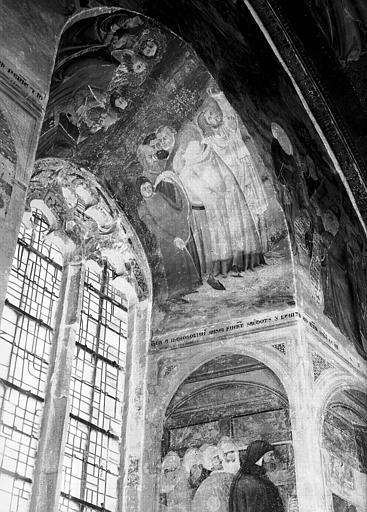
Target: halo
column 280, row 135
column 158, row 37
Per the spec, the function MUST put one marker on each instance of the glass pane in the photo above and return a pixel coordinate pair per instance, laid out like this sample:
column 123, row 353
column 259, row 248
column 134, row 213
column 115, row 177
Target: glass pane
column 25, row 342
column 92, row 455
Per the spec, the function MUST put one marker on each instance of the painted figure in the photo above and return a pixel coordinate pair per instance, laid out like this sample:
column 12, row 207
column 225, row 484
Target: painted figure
column 168, row 221
column 213, row 493
column 175, row 489
column 287, row 178
column 210, row 183
column 339, row 303
column 193, row 463
column 221, row 128
column 251, row 490
column 231, row 461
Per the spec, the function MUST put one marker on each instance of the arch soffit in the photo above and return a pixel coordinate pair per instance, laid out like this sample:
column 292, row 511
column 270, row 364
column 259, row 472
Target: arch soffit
column 87, row 223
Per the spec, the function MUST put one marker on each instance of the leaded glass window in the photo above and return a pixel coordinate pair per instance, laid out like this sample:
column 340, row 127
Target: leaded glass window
column 25, row 342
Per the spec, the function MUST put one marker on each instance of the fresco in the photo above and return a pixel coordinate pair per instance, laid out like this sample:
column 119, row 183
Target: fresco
column 134, row 100
column 220, row 197
column 7, row 166
column 324, row 232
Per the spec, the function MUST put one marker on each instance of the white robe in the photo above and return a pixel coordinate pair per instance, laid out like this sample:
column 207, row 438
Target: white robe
column 207, row 178
column 227, row 142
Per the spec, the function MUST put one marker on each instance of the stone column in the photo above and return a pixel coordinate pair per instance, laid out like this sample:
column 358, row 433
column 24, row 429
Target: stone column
column 305, row 431
column 47, row 474
column 132, row 476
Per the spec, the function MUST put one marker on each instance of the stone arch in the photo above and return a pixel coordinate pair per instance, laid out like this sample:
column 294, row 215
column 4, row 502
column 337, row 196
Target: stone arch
column 87, row 226
column 206, row 386
column 263, row 230
column 84, row 218
column 270, row 358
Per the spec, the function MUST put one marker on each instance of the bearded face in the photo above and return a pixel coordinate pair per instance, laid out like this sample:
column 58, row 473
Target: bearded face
column 231, row 463
column 213, row 117
column 269, row 462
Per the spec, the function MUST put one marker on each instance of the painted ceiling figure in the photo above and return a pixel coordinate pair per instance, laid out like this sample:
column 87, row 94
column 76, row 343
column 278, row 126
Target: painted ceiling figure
column 101, row 66
column 169, row 223
column 338, row 288
column 213, row 493
column 252, row 490
column 287, row 180
column 156, row 156
column 344, row 23
column 357, row 270
column 212, row 184
column 90, row 35
column 220, row 125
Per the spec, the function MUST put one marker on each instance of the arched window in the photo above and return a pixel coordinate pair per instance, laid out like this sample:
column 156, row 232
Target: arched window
column 92, row 451
column 64, row 343
column 25, row 346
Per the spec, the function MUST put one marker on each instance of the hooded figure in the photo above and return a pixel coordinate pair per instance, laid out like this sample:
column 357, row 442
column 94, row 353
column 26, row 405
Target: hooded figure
column 251, row 489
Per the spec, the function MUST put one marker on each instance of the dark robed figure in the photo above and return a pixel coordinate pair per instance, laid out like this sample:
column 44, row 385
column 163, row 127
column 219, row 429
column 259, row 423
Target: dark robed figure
column 251, row 489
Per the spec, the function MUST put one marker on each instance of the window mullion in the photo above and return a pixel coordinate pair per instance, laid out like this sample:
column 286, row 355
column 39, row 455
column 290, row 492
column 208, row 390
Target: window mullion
column 47, row 481
column 95, row 358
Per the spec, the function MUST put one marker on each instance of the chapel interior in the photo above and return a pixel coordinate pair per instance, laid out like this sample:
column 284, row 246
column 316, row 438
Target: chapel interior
column 183, row 226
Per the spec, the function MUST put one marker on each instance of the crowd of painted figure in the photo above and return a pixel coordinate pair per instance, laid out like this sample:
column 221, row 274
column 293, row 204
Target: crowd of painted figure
column 99, row 69
column 215, row 479
column 203, row 196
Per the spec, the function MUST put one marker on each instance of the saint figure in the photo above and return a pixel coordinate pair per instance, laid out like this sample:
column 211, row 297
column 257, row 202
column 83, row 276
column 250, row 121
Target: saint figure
column 221, row 128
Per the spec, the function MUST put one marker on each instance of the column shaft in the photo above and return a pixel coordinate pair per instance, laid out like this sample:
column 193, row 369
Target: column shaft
column 306, row 442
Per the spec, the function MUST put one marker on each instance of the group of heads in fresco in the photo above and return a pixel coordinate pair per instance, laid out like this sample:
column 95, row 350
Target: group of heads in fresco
column 212, row 478
column 104, row 63
column 204, row 180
